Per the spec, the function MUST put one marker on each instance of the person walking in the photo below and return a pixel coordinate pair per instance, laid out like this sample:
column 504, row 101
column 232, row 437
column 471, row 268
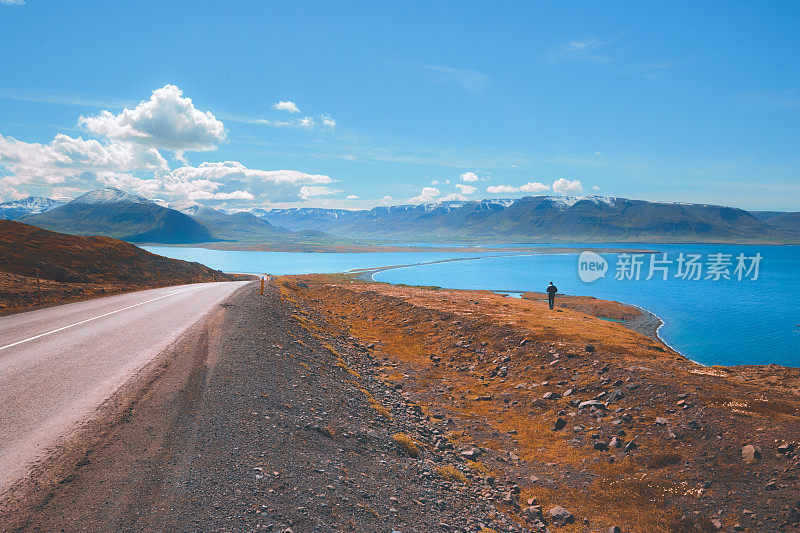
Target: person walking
column 551, row 294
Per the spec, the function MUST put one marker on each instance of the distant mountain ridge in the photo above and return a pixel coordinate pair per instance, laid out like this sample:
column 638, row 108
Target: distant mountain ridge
column 134, row 218
column 29, row 206
column 543, row 218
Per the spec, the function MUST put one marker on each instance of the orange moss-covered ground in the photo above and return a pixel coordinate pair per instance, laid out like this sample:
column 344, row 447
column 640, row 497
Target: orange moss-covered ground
column 487, row 362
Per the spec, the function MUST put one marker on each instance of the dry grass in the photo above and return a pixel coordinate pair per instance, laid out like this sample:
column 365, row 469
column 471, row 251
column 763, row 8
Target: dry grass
column 407, row 444
column 664, row 459
column 452, row 473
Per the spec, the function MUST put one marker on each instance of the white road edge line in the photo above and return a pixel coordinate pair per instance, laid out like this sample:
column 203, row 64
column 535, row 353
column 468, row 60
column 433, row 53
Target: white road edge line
column 94, row 318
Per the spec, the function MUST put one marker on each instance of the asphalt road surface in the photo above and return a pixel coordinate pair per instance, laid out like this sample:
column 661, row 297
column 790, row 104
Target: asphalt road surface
column 58, row 365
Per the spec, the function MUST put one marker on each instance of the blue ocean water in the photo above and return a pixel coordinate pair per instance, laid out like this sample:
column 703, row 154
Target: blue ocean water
column 724, row 322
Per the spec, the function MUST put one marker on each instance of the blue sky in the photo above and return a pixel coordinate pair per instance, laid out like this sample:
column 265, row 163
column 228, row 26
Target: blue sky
column 397, row 102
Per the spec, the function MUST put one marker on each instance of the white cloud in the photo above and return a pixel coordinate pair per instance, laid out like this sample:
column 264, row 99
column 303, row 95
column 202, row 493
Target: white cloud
column 222, row 196
column 435, row 182
column 327, row 121
column 452, row 197
column 306, row 122
column 465, row 78
column 501, row 189
column 591, row 50
column 534, row 187
column 386, row 200
column 286, row 105
column 426, row 196
column 309, row 191
column 73, row 162
column 595, row 187
column 564, row 186
column 469, row 176
column 127, row 156
column 13, row 2
column 167, row 120
column 466, row 189
column 265, row 185
column 352, row 197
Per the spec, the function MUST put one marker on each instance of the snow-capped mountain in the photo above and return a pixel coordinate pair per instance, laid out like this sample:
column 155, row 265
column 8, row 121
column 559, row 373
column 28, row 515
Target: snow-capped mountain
column 111, row 195
column 533, row 218
column 29, row 206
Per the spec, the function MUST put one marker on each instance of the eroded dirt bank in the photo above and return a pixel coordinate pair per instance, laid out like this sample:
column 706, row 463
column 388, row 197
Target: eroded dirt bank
column 326, row 405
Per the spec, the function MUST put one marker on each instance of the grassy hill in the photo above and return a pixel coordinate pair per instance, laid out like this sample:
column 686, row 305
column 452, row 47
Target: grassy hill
column 70, row 267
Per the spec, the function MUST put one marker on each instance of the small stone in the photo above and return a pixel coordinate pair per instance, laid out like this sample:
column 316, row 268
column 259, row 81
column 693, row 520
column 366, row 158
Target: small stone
column 550, row 396
column 784, row 449
column 631, row 446
column 592, row 403
column 560, row 516
column 750, row 454
column 614, row 443
column 615, row 529
column 533, row 511
column 601, row 446
column 473, row 452
column 560, row 424
column 772, row 485
column 660, row 421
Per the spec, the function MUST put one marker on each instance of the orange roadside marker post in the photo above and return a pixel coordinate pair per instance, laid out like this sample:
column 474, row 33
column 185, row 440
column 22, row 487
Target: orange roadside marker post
column 262, row 285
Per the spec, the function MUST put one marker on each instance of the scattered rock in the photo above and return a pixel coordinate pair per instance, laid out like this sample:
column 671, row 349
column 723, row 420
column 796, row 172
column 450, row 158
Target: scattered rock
column 560, row 424
column 471, row 453
column 786, row 448
column 660, row 421
column 750, row 454
column 560, row 516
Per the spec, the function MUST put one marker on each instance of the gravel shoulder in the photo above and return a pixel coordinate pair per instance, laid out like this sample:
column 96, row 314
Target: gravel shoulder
column 251, row 421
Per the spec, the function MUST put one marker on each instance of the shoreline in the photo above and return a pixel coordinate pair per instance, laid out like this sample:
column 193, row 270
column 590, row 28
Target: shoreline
column 648, row 323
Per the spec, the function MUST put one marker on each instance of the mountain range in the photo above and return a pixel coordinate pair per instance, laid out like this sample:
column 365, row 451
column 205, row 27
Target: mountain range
column 547, row 218
column 134, row 218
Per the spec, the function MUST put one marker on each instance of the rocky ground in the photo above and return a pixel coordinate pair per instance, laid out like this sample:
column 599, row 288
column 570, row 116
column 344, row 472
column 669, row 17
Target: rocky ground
column 327, row 405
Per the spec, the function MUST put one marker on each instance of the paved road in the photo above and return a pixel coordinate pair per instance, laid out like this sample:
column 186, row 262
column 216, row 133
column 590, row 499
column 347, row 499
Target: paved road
column 58, row 365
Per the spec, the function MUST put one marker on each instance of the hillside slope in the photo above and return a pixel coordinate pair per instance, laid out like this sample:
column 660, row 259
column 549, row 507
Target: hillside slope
column 70, row 267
